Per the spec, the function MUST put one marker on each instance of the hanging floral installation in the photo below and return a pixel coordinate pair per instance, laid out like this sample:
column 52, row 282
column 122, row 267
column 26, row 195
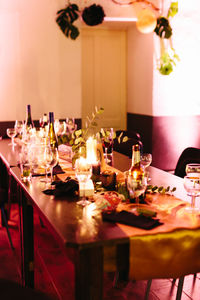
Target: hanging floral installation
column 147, row 21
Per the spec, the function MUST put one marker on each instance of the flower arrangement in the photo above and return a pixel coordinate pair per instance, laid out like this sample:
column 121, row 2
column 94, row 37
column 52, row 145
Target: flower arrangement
column 77, row 139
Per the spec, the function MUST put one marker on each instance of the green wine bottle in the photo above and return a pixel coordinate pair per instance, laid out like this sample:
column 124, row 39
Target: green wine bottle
column 29, row 122
column 52, row 136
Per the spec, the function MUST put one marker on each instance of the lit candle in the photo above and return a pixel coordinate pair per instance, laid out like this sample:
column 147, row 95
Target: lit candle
column 91, row 149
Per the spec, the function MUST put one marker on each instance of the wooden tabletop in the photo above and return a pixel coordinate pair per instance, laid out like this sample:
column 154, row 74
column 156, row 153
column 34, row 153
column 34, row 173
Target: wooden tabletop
column 76, row 226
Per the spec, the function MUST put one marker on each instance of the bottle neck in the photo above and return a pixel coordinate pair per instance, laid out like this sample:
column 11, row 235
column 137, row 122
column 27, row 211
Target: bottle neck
column 136, row 156
column 29, row 121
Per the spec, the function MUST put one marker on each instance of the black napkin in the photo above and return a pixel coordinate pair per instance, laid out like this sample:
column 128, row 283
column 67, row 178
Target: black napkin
column 68, row 187
column 131, row 219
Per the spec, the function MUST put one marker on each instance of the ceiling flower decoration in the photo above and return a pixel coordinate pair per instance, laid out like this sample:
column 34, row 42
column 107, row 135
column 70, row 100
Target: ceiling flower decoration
column 149, row 20
column 168, row 56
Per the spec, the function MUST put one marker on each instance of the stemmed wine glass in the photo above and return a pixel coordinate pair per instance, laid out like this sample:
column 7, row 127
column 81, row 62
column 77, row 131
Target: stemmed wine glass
column 11, row 133
column 136, row 187
column 145, row 161
column 19, row 126
column 53, row 159
column 107, row 141
column 192, row 186
column 83, row 171
column 193, row 169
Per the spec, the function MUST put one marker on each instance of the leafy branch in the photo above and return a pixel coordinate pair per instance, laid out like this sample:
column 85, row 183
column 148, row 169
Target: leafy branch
column 161, row 190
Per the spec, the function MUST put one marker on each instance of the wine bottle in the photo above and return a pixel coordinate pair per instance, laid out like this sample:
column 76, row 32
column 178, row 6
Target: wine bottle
column 52, row 136
column 136, row 170
column 29, row 122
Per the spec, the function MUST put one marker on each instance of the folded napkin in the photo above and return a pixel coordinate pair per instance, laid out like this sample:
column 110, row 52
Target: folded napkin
column 68, row 187
column 131, row 219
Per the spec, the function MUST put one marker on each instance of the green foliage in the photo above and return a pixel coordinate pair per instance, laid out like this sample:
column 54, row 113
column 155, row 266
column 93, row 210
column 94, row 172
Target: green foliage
column 167, row 62
column 163, row 28
column 161, row 190
column 173, row 10
column 65, row 20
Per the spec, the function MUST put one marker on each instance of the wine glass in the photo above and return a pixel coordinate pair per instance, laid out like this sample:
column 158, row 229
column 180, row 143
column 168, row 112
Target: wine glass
column 83, row 171
column 53, row 159
column 71, row 125
column 46, row 161
column 107, row 142
column 192, row 186
column 11, row 133
column 193, row 169
column 136, row 187
column 146, row 160
column 19, row 125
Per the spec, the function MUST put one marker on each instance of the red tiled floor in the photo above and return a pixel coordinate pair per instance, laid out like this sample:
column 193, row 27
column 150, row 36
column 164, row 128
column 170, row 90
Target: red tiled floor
column 54, row 271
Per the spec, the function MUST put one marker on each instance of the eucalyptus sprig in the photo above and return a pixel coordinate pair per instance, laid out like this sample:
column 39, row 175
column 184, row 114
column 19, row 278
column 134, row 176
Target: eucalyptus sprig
column 161, row 190
column 79, row 137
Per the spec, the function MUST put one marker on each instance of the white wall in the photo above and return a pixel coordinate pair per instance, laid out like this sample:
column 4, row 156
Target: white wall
column 153, row 94
column 39, row 65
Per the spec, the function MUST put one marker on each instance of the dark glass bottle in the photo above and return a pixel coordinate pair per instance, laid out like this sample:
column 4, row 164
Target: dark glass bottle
column 52, row 136
column 29, row 121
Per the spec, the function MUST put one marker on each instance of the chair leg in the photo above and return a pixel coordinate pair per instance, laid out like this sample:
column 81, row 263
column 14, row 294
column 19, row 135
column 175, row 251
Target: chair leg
column 180, row 288
column 6, row 225
column 148, row 289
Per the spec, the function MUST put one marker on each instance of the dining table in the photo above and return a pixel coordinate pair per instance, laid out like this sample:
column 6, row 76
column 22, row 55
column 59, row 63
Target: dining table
column 95, row 245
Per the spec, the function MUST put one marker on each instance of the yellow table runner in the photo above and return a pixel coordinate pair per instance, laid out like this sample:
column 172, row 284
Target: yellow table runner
column 170, row 250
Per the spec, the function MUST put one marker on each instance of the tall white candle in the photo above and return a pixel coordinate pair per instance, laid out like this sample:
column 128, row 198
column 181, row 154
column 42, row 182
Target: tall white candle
column 91, row 150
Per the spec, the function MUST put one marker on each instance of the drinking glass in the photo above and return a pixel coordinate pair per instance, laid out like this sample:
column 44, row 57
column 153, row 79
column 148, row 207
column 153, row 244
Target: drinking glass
column 192, row 186
column 146, row 160
column 53, row 156
column 83, row 171
column 107, row 142
column 136, row 187
column 11, row 133
column 71, row 125
column 19, row 125
column 193, row 169
column 46, row 162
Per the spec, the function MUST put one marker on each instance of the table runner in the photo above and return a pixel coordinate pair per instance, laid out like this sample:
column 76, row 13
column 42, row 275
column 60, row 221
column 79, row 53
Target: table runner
column 168, row 251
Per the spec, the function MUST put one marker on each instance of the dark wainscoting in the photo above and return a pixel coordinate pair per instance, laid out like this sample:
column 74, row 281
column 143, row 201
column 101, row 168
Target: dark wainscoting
column 166, row 136
column 9, row 124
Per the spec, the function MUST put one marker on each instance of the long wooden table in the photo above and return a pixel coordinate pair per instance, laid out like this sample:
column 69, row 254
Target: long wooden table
column 75, row 228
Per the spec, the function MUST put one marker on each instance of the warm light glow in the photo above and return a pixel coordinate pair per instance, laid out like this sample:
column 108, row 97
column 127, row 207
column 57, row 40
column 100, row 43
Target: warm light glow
column 91, row 149
column 120, row 19
column 135, row 175
column 146, row 21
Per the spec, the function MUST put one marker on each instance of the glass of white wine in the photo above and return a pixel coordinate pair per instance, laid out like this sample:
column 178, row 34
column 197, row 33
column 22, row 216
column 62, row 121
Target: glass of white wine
column 11, row 133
